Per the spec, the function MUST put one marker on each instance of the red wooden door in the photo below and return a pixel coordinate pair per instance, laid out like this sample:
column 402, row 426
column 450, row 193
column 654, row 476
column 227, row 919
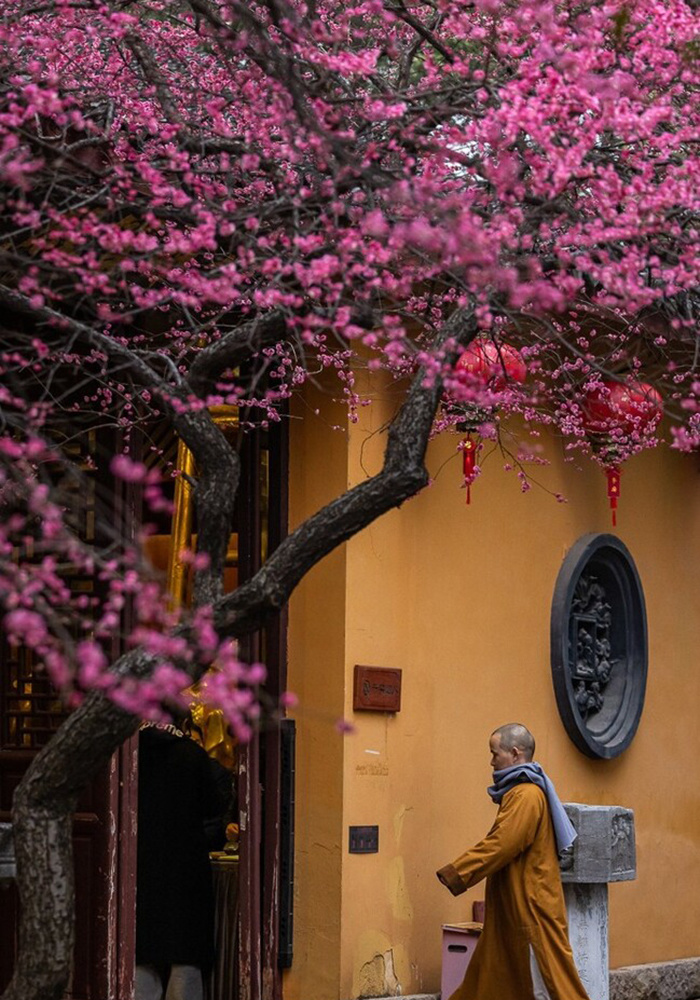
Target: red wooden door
column 104, row 827
column 103, row 961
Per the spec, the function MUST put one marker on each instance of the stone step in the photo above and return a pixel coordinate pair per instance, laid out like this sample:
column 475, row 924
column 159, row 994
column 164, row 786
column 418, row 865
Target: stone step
column 676, row 980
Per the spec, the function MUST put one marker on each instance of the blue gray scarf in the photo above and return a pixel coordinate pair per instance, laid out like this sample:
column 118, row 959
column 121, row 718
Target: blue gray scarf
column 509, row 777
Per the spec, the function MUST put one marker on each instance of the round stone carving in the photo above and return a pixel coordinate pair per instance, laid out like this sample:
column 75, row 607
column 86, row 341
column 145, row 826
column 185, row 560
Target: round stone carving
column 599, row 645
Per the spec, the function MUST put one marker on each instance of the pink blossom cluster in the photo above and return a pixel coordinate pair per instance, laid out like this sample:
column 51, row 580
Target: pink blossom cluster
column 73, row 636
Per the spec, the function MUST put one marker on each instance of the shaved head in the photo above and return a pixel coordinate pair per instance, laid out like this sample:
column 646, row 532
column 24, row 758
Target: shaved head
column 514, row 736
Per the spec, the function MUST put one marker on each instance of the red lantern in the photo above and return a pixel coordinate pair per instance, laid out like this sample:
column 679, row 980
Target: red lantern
column 469, row 449
column 627, row 406
column 492, row 364
column 623, row 407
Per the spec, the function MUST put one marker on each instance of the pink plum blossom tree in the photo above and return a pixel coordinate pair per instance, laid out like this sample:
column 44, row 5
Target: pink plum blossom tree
column 208, row 200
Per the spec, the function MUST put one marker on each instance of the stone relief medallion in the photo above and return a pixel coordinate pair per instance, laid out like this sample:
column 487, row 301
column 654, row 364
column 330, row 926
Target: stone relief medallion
column 599, row 645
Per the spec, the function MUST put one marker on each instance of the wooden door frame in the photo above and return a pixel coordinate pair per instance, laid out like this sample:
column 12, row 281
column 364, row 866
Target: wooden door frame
column 276, row 658
column 259, row 781
column 126, row 804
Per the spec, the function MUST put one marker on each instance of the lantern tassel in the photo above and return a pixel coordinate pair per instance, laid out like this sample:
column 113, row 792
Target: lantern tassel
column 468, row 463
column 613, row 491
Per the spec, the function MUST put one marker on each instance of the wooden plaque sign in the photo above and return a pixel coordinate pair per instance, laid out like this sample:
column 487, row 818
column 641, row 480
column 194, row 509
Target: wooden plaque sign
column 377, row 689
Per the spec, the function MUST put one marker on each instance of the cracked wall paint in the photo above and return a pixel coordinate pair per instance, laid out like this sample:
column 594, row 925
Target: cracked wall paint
column 398, row 890
column 380, row 967
column 399, row 817
column 378, row 977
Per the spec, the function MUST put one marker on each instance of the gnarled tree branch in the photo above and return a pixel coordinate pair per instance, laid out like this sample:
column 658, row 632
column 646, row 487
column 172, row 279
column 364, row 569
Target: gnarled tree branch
column 218, row 464
column 402, row 475
column 46, row 798
column 233, row 348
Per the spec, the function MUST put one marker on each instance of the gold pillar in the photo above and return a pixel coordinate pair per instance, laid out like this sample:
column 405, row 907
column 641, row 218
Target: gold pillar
column 181, row 538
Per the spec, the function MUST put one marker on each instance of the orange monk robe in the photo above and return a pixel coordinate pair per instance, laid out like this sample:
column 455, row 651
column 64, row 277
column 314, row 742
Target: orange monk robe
column 524, row 905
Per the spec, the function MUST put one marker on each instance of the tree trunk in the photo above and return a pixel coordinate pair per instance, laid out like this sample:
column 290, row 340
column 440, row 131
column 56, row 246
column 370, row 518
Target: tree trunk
column 42, row 818
column 44, row 852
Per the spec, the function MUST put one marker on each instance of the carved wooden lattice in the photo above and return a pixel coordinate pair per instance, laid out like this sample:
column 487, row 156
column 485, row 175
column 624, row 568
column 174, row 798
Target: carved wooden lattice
column 31, row 709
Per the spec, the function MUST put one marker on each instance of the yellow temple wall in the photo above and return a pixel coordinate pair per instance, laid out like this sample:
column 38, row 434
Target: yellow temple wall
column 459, row 598
column 318, row 472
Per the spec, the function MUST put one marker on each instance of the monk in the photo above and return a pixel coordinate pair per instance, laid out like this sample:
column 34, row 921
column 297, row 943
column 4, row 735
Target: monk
column 523, row 952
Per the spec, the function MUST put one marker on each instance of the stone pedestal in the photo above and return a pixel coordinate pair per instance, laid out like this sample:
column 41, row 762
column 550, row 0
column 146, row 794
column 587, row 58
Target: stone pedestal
column 603, row 852
column 7, row 854
column 587, row 908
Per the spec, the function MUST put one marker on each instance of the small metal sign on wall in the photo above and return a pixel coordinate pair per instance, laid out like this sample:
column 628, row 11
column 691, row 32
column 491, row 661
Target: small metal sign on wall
column 377, row 689
column 599, row 645
column 364, row 840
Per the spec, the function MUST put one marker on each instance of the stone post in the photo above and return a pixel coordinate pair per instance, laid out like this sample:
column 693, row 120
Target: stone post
column 603, row 852
column 7, row 855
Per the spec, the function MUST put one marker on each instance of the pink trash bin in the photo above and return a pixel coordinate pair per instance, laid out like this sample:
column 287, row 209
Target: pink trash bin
column 458, row 944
